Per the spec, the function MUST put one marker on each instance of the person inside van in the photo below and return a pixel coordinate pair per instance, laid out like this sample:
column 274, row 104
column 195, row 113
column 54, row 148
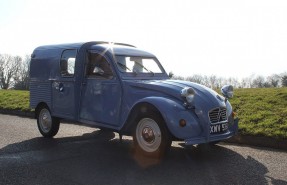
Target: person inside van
column 98, row 66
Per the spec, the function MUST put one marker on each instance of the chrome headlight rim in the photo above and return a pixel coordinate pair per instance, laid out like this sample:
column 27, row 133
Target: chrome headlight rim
column 188, row 93
column 227, row 91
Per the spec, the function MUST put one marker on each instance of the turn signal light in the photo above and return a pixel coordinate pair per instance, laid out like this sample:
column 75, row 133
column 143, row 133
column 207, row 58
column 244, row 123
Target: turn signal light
column 182, row 123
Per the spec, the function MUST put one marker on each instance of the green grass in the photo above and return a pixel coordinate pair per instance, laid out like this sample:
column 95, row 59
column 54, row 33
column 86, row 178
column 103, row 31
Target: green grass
column 262, row 112
column 14, row 100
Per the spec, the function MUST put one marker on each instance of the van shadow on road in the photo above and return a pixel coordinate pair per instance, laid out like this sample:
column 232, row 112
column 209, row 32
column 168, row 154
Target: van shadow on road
column 100, row 158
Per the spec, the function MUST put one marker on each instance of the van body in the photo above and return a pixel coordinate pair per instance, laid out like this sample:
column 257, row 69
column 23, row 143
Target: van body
column 125, row 89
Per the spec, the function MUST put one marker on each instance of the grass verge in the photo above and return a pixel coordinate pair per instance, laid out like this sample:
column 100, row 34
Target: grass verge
column 262, row 112
column 14, row 100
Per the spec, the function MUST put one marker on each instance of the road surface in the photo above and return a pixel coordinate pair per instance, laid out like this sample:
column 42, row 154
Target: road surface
column 81, row 155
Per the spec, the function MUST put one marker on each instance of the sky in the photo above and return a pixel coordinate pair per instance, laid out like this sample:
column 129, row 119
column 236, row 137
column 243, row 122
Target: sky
column 207, row 37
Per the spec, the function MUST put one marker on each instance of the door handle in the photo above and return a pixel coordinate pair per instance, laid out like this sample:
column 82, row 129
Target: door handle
column 61, row 87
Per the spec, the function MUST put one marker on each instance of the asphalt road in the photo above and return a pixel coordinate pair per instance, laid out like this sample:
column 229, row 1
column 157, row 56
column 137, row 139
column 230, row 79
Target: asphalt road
column 83, row 155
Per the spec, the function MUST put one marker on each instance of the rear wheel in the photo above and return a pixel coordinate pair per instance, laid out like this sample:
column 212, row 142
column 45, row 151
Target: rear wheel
column 151, row 137
column 47, row 125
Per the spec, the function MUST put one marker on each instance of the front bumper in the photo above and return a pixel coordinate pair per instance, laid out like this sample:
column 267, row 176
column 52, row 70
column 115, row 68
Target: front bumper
column 218, row 137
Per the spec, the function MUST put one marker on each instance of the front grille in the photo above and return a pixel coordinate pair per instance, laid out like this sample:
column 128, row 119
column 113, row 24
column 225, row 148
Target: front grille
column 217, row 115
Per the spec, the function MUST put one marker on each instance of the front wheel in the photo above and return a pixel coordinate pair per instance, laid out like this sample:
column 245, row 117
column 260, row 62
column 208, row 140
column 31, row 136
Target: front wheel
column 47, row 125
column 151, row 137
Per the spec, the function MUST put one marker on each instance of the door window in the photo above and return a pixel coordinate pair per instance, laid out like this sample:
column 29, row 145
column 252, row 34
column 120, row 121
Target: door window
column 98, row 67
column 67, row 63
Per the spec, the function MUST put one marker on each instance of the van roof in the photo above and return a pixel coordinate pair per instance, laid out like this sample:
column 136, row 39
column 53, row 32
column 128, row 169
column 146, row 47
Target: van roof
column 78, row 45
column 116, row 48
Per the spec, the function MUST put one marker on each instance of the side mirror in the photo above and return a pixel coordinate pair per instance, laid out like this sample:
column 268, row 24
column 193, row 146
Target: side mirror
column 98, row 70
column 170, row 74
column 227, row 91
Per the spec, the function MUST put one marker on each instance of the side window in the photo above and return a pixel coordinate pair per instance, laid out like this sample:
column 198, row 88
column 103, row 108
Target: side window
column 98, row 67
column 67, row 63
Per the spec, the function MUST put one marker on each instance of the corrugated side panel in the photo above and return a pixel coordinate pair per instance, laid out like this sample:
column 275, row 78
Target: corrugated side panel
column 40, row 91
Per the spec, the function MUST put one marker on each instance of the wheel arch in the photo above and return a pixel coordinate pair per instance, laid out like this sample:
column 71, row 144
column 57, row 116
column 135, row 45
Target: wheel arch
column 41, row 104
column 138, row 109
column 159, row 105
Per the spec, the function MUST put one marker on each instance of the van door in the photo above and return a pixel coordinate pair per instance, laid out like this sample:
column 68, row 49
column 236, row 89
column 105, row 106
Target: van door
column 63, row 89
column 101, row 92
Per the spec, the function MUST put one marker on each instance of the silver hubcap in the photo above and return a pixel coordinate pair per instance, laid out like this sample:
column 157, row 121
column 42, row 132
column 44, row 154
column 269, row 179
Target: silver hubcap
column 148, row 135
column 45, row 120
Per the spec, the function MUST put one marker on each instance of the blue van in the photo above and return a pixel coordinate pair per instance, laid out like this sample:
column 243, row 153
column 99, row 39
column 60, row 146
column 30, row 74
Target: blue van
column 125, row 89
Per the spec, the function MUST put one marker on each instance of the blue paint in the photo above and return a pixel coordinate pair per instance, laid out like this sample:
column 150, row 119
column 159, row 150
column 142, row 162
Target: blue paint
column 107, row 99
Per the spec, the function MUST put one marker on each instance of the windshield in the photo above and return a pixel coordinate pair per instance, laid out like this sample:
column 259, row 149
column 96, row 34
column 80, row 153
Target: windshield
column 130, row 64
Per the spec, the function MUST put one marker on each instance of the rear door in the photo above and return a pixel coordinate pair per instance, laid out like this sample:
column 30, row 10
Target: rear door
column 63, row 89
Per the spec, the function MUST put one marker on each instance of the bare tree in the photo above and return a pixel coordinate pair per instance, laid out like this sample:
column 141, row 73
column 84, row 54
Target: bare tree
column 205, row 81
column 219, row 82
column 253, row 81
column 244, row 83
column 230, row 81
column 284, row 81
column 212, row 81
column 247, row 81
column 195, row 78
column 22, row 78
column 258, row 82
column 9, row 67
column 274, row 80
column 174, row 77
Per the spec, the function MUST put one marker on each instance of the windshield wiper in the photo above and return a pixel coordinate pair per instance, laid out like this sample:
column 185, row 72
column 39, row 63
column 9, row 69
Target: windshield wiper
column 123, row 66
column 144, row 67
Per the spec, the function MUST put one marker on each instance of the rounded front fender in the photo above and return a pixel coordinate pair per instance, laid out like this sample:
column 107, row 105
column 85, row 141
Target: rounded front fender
column 172, row 112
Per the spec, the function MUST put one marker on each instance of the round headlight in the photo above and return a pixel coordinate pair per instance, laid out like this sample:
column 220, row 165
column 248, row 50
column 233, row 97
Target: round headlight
column 188, row 93
column 190, row 98
column 227, row 91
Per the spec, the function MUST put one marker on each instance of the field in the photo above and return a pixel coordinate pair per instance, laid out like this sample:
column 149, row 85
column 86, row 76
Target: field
column 262, row 112
column 14, row 100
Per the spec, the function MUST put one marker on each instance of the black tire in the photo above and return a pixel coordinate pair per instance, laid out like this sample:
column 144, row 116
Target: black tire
column 151, row 136
column 47, row 124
